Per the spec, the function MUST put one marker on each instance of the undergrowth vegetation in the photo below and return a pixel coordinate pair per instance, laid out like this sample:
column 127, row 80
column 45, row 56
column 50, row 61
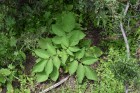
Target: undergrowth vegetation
column 88, row 41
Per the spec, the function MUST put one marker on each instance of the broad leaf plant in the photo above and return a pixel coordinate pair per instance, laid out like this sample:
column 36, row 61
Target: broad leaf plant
column 66, row 49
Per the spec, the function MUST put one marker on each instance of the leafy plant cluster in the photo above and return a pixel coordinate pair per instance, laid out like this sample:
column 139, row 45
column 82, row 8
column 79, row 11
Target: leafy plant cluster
column 14, row 42
column 63, row 49
column 107, row 82
column 124, row 69
column 6, row 77
column 53, row 31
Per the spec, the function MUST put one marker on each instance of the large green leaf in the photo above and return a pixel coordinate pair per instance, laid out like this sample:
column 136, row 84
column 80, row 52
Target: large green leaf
column 64, row 56
column 97, row 51
column 49, row 67
column 65, row 41
column 5, row 72
column 56, row 29
column 56, row 62
column 80, row 54
column 9, row 88
column 89, row 60
column 86, row 43
column 73, row 67
column 55, row 74
column 74, row 49
column 39, row 67
column 94, row 51
column 2, row 79
column 80, row 73
column 69, row 52
column 41, row 77
column 23, row 55
column 72, row 59
column 90, row 73
column 58, row 52
column 68, row 22
column 43, row 42
column 42, row 53
column 75, row 37
column 51, row 49
column 64, row 47
column 57, row 40
column 38, row 60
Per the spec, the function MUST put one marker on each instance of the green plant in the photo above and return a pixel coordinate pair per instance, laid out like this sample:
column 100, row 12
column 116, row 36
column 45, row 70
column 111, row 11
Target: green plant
column 6, row 77
column 10, row 75
column 125, row 70
column 25, row 84
column 107, row 83
column 64, row 50
column 23, row 22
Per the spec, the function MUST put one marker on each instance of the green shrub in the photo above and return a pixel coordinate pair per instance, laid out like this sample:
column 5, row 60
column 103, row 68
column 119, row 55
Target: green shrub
column 63, row 50
column 107, row 82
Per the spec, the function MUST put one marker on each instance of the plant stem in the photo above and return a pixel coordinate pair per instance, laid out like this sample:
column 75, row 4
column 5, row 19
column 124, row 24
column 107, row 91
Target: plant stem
column 123, row 32
column 125, row 39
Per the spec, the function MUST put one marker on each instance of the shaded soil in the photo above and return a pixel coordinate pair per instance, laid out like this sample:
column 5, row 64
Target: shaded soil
column 29, row 63
column 94, row 34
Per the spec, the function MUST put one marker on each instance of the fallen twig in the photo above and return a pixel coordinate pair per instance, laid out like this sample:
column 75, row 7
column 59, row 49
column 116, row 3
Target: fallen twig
column 123, row 32
column 125, row 40
column 55, row 85
column 126, row 8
